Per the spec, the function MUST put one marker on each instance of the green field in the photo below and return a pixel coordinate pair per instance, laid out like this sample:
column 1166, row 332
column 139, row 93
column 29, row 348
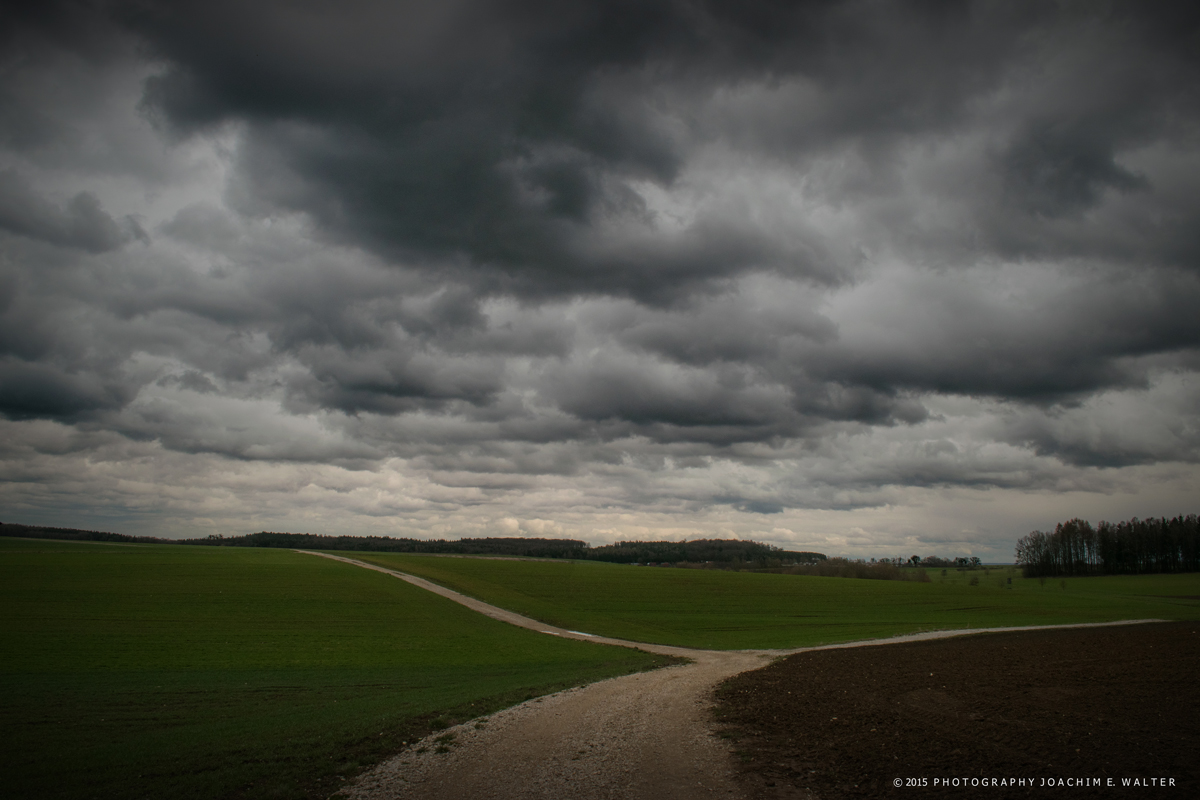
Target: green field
column 732, row 610
column 132, row 671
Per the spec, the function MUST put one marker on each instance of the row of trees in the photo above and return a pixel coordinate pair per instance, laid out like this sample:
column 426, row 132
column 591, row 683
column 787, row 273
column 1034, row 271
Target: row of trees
column 962, row 562
column 498, row 546
column 74, row 534
column 1123, row 548
column 719, row 551
column 726, row 553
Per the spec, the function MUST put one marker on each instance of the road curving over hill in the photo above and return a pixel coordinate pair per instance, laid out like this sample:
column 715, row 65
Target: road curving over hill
column 648, row 736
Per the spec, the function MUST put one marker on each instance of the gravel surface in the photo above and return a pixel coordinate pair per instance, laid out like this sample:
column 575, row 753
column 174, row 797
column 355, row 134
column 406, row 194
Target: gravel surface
column 649, row 736
column 639, row 736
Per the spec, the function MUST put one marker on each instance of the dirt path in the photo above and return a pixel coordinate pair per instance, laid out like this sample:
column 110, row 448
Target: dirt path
column 639, row 737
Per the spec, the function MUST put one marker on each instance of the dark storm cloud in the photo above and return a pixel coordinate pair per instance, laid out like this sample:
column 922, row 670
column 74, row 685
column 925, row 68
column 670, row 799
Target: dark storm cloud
column 742, row 254
column 1054, row 173
column 505, row 133
column 50, row 366
column 393, row 381
column 1109, row 431
column 1053, row 342
column 655, row 394
column 41, row 390
column 444, row 130
column 492, row 129
column 82, row 223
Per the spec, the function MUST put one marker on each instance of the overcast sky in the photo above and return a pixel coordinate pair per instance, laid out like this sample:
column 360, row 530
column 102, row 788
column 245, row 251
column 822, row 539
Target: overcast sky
column 869, row 278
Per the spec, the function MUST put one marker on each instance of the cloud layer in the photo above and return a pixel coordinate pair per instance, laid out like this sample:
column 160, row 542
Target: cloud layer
column 860, row 276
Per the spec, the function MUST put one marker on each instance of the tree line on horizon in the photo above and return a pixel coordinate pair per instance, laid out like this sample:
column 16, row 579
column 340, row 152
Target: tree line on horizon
column 724, row 551
column 727, row 552
column 492, row 546
column 1134, row 547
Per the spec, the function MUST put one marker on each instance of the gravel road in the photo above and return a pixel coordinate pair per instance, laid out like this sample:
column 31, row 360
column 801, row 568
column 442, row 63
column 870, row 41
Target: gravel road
column 647, row 736
column 637, row 736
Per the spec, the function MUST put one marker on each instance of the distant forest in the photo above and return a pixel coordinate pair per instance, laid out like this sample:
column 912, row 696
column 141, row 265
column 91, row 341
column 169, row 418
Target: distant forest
column 1138, row 546
column 729, row 553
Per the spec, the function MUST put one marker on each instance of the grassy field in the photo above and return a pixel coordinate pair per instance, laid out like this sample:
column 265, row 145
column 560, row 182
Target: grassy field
column 132, row 671
column 731, row 610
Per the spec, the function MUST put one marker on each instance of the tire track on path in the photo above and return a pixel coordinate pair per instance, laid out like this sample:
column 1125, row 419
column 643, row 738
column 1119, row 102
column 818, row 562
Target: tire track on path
column 647, row 736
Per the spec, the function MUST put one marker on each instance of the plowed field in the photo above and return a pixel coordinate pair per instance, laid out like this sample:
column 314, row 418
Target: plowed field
column 1080, row 705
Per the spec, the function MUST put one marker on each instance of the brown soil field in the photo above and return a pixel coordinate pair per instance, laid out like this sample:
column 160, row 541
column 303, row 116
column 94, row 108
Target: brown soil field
column 1080, row 705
